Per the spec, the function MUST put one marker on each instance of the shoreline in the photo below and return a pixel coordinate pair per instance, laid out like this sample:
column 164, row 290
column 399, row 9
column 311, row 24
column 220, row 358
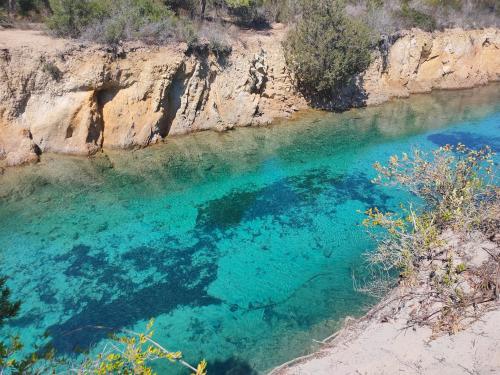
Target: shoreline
column 145, row 95
column 300, row 121
column 378, row 342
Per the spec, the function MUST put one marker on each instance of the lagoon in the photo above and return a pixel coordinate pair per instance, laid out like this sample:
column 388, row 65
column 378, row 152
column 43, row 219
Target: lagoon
column 242, row 245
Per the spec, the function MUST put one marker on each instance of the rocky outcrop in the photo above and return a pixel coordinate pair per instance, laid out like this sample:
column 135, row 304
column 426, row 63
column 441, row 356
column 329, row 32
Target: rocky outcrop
column 60, row 96
column 78, row 99
column 418, row 62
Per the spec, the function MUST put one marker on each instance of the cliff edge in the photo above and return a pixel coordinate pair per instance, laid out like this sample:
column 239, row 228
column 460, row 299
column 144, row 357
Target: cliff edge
column 66, row 97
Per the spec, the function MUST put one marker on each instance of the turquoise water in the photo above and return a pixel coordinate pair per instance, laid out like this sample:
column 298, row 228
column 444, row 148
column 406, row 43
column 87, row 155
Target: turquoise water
column 241, row 245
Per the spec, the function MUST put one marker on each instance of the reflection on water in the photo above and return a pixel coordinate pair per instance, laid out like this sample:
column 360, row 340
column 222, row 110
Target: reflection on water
column 242, row 245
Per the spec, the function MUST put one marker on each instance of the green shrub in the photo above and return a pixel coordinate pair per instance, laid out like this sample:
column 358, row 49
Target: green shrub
column 4, row 19
column 491, row 5
column 326, row 48
column 454, row 182
column 248, row 12
column 455, row 4
column 167, row 29
column 70, row 18
column 26, row 6
column 455, row 186
column 51, row 69
column 127, row 20
column 414, row 18
column 189, row 6
column 106, row 20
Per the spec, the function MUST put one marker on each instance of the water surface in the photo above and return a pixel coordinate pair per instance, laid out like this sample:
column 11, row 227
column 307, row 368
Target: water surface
column 241, row 245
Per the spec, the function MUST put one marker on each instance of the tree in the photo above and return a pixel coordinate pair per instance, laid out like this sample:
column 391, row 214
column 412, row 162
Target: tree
column 326, row 49
column 11, row 6
column 10, row 347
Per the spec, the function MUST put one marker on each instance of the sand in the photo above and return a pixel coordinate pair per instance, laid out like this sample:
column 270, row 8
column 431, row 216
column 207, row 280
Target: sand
column 382, row 343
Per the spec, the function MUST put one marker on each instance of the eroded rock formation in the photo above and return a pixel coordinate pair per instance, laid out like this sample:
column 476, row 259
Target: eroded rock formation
column 59, row 96
column 419, row 62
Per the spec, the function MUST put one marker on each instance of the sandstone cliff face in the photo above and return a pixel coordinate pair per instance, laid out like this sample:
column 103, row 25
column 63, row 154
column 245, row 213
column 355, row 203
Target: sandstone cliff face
column 419, row 62
column 58, row 96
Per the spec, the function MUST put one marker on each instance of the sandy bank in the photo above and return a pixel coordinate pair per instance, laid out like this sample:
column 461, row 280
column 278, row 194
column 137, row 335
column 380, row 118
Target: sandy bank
column 383, row 342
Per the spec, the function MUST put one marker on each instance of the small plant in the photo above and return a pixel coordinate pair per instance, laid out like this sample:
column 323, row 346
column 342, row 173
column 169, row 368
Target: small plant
column 414, row 18
column 132, row 353
column 219, row 49
column 51, row 69
column 218, row 41
column 460, row 268
column 407, row 240
column 211, row 39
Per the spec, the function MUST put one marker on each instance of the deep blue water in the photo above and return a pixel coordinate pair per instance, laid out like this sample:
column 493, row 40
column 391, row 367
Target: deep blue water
column 242, row 245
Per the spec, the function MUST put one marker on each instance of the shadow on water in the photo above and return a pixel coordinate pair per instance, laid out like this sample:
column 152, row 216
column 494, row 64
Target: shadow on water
column 467, row 138
column 231, row 366
column 123, row 302
column 287, row 194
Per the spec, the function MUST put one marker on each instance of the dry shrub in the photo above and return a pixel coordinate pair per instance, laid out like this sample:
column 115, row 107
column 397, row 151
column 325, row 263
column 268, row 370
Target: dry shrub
column 459, row 201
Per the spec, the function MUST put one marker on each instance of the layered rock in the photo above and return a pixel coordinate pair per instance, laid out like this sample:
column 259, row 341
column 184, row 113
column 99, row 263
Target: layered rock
column 418, row 62
column 59, row 96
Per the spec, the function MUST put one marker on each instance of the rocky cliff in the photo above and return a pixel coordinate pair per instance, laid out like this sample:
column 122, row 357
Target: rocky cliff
column 418, row 62
column 61, row 96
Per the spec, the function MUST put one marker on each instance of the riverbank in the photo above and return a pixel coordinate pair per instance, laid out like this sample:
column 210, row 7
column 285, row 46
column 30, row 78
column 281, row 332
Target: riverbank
column 388, row 341
column 240, row 244
column 66, row 97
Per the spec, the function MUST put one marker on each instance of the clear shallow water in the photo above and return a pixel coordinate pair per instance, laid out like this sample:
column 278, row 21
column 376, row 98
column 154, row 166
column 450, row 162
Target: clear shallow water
column 242, row 245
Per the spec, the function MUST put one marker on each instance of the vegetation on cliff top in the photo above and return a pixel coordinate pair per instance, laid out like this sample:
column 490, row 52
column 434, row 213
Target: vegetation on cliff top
column 327, row 48
column 383, row 16
column 329, row 40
